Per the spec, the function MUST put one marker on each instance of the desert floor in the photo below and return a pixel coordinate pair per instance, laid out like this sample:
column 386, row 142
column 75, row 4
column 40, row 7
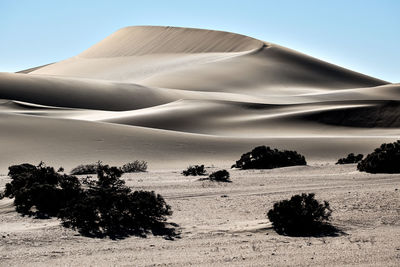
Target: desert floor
column 225, row 223
column 177, row 96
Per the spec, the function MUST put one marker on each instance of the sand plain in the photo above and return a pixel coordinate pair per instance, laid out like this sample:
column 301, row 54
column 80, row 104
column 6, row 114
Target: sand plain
column 226, row 224
column 179, row 96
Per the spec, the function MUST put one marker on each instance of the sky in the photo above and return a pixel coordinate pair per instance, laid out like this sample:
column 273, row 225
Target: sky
column 362, row 35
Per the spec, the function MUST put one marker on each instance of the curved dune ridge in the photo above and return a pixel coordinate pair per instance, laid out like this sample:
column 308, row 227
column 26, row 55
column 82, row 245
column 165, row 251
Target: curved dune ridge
column 144, row 40
column 192, row 92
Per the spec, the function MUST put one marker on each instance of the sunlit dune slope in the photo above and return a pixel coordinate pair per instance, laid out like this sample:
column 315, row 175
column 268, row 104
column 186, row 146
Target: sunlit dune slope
column 167, row 93
column 204, row 60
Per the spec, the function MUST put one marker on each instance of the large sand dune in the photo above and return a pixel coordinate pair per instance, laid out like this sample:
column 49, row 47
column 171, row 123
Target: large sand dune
column 174, row 96
column 179, row 96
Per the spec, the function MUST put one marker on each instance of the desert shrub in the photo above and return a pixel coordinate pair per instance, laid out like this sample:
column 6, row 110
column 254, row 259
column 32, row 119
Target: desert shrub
column 85, row 169
column 194, row 170
column 136, row 166
column 96, row 207
column 301, row 215
column 220, row 176
column 263, row 157
column 351, row 158
column 109, row 208
column 384, row 159
column 39, row 190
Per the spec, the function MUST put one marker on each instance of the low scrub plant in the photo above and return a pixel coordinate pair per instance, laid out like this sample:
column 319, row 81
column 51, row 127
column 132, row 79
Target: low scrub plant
column 109, row 208
column 301, row 215
column 220, row 176
column 194, row 170
column 263, row 157
column 351, row 158
column 95, row 207
column 40, row 190
column 84, row 169
column 135, row 166
column 384, row 159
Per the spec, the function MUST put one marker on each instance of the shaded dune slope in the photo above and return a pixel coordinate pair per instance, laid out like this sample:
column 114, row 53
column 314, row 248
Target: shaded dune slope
column 71, row 142
column 204, row 60
column 163, row 92
column 271, row 70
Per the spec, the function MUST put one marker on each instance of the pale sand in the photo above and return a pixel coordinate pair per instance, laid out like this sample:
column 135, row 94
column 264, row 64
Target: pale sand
column 231, row 230
column 179, row 96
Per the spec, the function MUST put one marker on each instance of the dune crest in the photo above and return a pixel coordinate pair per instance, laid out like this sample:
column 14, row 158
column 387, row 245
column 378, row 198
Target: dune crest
column 144, row 40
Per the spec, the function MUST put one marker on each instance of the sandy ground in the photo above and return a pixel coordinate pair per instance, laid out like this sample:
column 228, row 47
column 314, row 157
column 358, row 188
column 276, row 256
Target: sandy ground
column 179, row 96
column 225, row 224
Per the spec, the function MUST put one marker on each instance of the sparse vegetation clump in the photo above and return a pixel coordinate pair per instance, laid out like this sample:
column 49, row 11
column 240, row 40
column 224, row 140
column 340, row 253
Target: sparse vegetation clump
column 135, row 166
column 109, row 208
column 351, row 158
column 301, row 215
column 384, row 159
column 263, row 157
column 84, row 169
column 195, row 170
column 220, row 176
column 40, row 190
column 96, row 207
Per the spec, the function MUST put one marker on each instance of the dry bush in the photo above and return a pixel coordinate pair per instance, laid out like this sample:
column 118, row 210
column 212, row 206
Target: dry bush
column 194, row 170
column 220, row 176
column 384, row 159
column 301, row 215
column 135, row 166
column 263, row 157
column 85, row 169
column 351, row 158
column 95, row 207
column 109, row 208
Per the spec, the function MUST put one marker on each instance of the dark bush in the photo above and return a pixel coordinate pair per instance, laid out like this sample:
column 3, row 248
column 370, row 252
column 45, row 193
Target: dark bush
column 136, row 166
column 384, row 159
column 194, row 170
column 302, row 215
column 220, row 176
column 263, row 157
column 96, row 207
column 39, row 190
column 351, row 158
column 109, row 208
column 85, row 169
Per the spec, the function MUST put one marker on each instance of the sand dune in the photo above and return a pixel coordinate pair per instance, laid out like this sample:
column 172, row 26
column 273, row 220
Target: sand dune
column 178, row 96
column 143, row 40
column 163, row 94
column 203, row 60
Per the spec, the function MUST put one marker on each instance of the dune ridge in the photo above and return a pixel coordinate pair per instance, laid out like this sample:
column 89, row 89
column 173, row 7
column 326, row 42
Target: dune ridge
column 144, row 40
column 161, row 93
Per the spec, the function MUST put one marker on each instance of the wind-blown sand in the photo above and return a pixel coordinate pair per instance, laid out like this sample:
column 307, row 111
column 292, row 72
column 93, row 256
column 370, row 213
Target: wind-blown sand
column 225, row 224
column 180, row 96
column 200, row 85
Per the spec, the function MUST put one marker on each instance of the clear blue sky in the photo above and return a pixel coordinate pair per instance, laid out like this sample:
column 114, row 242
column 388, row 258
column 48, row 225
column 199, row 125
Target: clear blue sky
column 362, row 35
